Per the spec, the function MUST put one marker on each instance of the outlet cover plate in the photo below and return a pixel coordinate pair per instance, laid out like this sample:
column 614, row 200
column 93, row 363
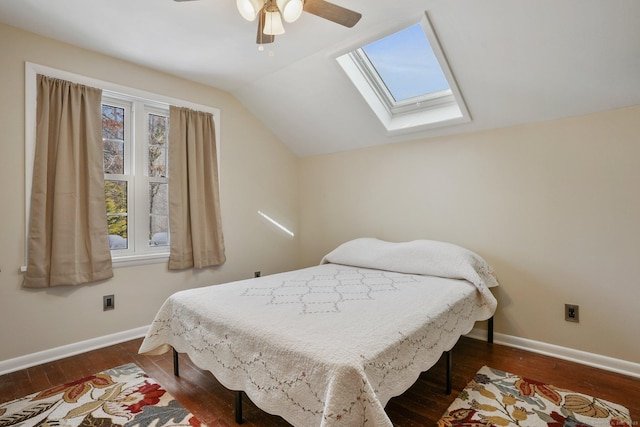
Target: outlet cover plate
column 572, row 313
column 108, row 302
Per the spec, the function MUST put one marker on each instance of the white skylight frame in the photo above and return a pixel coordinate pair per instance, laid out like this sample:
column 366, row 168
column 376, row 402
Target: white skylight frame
column 416, row 114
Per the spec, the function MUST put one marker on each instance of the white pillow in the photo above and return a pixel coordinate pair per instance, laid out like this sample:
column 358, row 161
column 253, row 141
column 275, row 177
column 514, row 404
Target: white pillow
column 424, row 257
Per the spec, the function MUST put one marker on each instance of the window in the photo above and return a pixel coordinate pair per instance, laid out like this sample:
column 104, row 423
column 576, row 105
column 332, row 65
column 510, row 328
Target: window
column 135, row 137
column 405, row 80
column 405, row 67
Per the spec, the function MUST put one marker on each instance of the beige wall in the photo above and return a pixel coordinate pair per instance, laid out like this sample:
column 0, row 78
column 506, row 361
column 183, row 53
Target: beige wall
column 554, row 207
column 257, row 172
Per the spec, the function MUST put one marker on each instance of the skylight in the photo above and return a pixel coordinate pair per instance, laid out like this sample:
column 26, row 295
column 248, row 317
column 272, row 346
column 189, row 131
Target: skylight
column 405, row 79
column 406, row 64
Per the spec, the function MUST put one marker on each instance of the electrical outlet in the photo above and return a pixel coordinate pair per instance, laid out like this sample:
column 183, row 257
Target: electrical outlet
column 256, row 274
column 108, row 302
column 572, row 313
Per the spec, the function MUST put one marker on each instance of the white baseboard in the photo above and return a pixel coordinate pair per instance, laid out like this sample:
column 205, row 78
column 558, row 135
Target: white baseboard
column 590, row 359
column 57, row 353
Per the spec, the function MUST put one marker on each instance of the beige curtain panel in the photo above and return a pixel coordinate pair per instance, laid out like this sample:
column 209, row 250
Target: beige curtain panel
column 68, row 243
column 194, row 201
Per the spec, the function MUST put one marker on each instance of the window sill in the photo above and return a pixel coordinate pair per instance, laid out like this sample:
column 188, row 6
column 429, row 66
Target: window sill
column 134, row 260
column 131, row 260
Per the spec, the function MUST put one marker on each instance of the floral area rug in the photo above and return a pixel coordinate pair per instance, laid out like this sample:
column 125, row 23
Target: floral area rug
column 122, row 396
column 496, row 398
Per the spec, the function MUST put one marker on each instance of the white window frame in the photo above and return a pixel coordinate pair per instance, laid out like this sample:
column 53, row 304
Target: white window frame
column 150, row 109
column 153, row 103
column 128, row 172
column 136, row 155
column 416, row 114
column 393, row 107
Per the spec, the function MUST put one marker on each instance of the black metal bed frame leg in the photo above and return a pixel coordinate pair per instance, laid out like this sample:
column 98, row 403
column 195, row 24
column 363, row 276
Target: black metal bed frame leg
column 490, row 330
column 449, row 360
column 239, row 407
column 176, row 368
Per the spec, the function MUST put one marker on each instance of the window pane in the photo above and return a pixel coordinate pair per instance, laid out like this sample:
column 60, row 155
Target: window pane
column 406, row 64
column 158, row 137
column 158, row 214
column 113, row 156
column 112, row 122
column 117, row 216
column 113, row 138
column 159, row 226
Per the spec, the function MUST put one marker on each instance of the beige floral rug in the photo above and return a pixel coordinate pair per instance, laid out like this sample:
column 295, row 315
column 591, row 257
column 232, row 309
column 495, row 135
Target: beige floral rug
column 122, row 396
column 497, row 398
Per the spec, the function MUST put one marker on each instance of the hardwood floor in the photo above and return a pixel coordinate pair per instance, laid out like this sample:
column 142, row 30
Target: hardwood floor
column 422, row 405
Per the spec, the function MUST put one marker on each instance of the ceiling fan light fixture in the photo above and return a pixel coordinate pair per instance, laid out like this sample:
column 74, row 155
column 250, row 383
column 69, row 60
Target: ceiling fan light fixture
column 291, row 9
column 273, row 24
column 249, row 8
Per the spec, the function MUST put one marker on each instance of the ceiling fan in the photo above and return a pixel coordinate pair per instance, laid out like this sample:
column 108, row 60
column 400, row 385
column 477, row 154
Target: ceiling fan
column 271, row 12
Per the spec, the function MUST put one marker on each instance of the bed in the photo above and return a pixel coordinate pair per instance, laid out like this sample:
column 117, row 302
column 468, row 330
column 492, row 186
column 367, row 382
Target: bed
column 329, row 345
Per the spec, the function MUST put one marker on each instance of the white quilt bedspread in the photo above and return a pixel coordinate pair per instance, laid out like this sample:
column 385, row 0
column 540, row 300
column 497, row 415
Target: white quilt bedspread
column 323, row 346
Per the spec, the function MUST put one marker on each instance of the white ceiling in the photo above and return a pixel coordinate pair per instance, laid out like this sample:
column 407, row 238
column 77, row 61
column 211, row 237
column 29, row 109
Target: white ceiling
column 514, row 61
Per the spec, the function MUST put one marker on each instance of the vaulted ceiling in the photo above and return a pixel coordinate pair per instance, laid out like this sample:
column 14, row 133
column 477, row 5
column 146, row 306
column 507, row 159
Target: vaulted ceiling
column 514, row 61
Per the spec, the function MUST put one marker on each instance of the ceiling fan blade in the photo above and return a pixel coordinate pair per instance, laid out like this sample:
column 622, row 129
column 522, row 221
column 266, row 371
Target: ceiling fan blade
column 263, row 38
column 332, row 12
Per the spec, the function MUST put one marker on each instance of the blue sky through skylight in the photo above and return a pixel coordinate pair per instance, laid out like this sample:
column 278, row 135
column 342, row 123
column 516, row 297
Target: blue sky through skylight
column 406, row 63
